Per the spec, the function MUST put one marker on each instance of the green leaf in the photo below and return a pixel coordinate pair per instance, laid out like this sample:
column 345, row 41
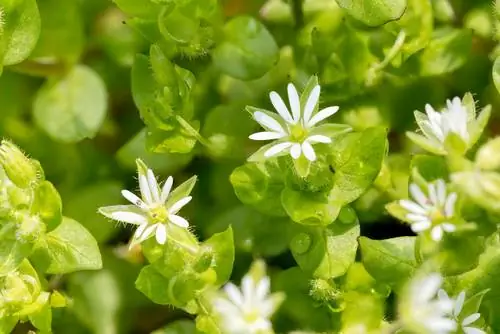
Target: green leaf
column 447, row 51
column 21, row 33
column 183, row 190
column 374, row 12
column 222, row 247
column 42, row 319
column 390, row 261
column 309, row 209
column 7, row 324
column 178, row 327
column 325, row 252
column 356, row 159
column 72, row 107
column 70, row 247
column 47, row 204
column 459, row 254
column 496, row 73
column 248, row 50
column 142, row 9
column 13, row 250
column 259, row 185
column 488, row 155
column 207, row 324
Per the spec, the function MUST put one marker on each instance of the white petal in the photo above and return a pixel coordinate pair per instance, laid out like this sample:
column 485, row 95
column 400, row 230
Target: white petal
column 234, row 294
column 167, row 186
column 179, row 204
column 311, row 103
column 161, row 234
column 412, row 207
column 321, row 115
column 294, row 99
column 429, row 286
column 248, row 288
column 441, row 192
column 433, row 194
column 179, row 221
column 280, row 107
column 448, row 227
column 308, row 151
column 449, row 206
column 268, row 122
column 472, row 330
column 263, row 287
column 459, row 303
column 319, row 139
column 295, row 151
column 437, row 233
column 148, row 232
column 139, row 231
column 145, row 192
column 153, row 186
column 420, row 226
column 417, row 194
column 470, row 319
column 443, row 325
column 415, row 217
column 277, row 149
column 442, row 295
column 134, row 199
column 129, row 217
column 266, row 135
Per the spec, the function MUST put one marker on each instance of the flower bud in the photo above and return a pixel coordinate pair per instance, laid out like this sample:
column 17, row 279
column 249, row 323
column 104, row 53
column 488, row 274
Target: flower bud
column 488, row 156
column 19, row 168
column 323, row 290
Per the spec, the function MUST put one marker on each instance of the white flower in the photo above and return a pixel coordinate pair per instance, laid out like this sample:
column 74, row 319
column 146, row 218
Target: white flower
column 150, row 211
column 437, row 125
column 247, row 311
column 457, row 309
column 432, row 211
column 422, row 312
column 294, row 131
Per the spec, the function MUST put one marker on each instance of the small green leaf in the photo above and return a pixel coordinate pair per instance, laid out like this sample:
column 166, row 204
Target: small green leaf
column 70, row 247
column 19, row 38
column 390, row 261
column 325, row 252
column 207, row 324
column 374, row 12
column 178, row 327
column 73, row 107
column 248, row 50
column 47, row 204
column 7, row 324
column 42, row 319
column 431, row 168
column 222, row 247
column 12, row 250
column 356, row 159
column 459, row 254
column 446, row 52
column 183, row 190
column 309, row 209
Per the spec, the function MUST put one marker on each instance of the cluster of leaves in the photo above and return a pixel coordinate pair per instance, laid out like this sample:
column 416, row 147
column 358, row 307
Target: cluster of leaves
column 89, row 86
column 37, row 241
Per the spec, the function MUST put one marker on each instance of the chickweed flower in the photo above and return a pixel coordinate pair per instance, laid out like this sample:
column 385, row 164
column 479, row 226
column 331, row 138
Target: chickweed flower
column 458, row 117
column 463, row 321
column 151, row 212
column 432, row 211
column 422, row 312
column 295, row 130
column 247, row 311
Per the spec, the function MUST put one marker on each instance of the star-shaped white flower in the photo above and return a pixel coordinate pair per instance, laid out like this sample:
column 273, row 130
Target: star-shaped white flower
column 452, row 119
column 150, row 211
column 295, row 130
column 247, row 311
column 433, row 211
column 458, row 305
column 422, row 312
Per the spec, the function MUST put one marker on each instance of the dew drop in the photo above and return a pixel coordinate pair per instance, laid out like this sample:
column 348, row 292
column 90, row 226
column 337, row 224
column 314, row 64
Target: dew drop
column 301, row 243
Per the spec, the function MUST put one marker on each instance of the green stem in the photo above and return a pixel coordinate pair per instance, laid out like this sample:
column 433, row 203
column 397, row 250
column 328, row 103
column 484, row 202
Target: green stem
column 373, row 72
column 34, row 68
column 298, row 13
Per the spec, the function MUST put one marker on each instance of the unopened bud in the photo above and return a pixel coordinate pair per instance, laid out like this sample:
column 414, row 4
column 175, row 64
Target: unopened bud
column 323, row 290
column 488, row 156
column 19, row 169
column 205, row 259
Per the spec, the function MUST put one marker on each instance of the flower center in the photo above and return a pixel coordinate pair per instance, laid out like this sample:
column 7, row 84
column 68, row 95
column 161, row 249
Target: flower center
column 158, row 213
column 437, row 215
column 251, row 315
column 298, row 133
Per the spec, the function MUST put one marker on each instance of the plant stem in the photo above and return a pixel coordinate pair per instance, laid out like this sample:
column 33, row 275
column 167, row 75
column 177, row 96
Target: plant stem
column 298, row 13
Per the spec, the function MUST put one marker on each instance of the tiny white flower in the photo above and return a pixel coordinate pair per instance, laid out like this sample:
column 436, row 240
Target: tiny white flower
column 295, row 129
column 431, row 212
column 149, row 212
column 248, row 310
column 422, row 312
column 458, row 304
